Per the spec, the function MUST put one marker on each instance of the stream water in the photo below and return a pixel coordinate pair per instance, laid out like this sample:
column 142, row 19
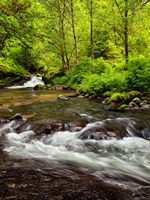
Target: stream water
column 110, row 160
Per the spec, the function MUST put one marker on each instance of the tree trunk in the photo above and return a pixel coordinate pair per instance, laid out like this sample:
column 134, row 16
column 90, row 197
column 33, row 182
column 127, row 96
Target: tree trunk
column 126, row 32
column 74, row 32
column 91, row 30
column 64, row 55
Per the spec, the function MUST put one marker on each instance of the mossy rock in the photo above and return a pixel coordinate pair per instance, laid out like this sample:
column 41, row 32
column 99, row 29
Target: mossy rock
column 135, row 94
column 39, row 87
column 118, row 98
column 48, row 86
column 136, row 100
column 132, row 104
column 123, row 107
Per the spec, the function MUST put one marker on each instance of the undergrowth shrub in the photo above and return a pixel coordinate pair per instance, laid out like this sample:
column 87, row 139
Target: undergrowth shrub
column 111, row 80
column 92, row 84
column 63, row 80
column 138, row 76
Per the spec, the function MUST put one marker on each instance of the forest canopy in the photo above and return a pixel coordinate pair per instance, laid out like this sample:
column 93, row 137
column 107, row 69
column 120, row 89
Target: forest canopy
column 90, row 45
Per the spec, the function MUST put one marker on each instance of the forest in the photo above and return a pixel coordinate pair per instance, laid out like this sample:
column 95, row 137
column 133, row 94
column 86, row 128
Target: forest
column 82, row 131
column 93, row 46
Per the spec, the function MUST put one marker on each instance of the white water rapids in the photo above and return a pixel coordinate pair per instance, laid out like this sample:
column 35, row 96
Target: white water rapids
column 29, row 84
column 129, row 156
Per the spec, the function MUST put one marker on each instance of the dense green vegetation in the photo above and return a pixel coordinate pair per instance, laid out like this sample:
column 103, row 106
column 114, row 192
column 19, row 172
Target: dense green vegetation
column 95, row 46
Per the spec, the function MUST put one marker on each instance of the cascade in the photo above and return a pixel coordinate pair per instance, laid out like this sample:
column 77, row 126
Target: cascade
column 35, row 80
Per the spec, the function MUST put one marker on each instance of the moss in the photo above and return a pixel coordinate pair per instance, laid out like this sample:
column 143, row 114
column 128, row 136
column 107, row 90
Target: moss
column 39, row 87
column 132, row 104
column 117, row 97
column 107, row 94
column 134, row 94
column 123, row 106
column 48, row 86
column 136, row 100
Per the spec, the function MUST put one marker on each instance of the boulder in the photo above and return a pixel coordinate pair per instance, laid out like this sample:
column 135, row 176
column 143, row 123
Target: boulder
column 136, row 100
column 39, row 87
column 17, row 117
column 98, row 133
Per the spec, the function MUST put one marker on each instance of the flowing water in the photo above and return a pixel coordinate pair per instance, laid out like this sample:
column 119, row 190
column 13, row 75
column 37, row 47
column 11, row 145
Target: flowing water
column 34, row 80
column 108, row 159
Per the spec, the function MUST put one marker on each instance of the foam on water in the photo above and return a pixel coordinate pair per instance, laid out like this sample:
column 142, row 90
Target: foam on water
column 129, row 156
column 29, row 84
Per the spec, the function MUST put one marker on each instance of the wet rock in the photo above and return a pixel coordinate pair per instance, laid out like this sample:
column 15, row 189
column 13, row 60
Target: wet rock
column 134, row 105
column 123, row 107
column 49, row 127
column 145, row 133
column 136, row 100
column 86, row 95
column 131, row 101
column 39, row 87
column 98, row 133
column 62, row 97
column 145, row 105
column 27, row 183
column 48, row 86
column 73, row 95
column 111, row 106
column 73, row 127
column 17, row 117
column 3, row 121
column 42, row 127
column 81, row 96
column 56, row 87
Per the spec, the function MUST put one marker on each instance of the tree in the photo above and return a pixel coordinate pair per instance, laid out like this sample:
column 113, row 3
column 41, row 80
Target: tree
column 91, row 29
column 72, row 13
column 89, row 6
column 126, row 10
column 12, row 19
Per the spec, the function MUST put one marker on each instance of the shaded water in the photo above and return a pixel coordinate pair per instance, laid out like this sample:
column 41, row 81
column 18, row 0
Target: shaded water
column 107, row 159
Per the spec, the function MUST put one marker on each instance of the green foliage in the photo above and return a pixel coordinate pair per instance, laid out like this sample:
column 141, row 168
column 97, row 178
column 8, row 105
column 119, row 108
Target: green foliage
column 92, row 84
column 86, row 68
column 9, row 68
column 101, row 41
column 138, row 77
column 99, row 66
column 117, row 97
column 60, row 80
column 38, row 37
column 110, row 80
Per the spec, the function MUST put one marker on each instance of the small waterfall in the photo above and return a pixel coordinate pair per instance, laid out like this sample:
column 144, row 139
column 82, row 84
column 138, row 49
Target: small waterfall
column 29, row 84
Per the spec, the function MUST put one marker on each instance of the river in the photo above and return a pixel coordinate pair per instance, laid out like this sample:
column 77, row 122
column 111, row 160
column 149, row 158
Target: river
column 123, row 163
